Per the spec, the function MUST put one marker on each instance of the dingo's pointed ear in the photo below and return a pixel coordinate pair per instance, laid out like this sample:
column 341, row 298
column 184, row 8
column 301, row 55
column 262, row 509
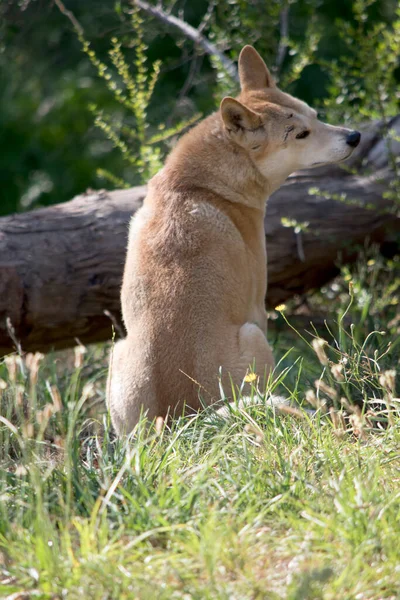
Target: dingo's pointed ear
column 236, row 116
column 253, row 72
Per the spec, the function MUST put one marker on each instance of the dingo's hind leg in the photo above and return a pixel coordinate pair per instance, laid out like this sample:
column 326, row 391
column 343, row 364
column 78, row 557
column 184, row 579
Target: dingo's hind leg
column 129, row 390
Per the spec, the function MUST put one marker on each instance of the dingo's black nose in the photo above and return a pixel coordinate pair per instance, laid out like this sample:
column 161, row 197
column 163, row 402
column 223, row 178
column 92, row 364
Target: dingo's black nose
column 353, row 139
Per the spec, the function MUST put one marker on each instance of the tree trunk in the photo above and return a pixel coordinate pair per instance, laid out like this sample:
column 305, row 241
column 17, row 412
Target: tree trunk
column 61, row 267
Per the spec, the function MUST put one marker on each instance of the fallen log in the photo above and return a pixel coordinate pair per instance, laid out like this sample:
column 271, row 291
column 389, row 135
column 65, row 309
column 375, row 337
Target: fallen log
column 61, row 267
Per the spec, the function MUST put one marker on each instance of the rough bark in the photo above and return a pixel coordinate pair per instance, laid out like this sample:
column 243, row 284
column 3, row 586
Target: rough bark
column 61, row 267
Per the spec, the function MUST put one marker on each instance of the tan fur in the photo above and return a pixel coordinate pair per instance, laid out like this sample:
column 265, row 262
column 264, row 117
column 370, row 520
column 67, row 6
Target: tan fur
column 195, row 274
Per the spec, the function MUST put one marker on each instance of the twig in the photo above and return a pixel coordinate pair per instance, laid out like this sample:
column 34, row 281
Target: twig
column 207, row 17
column 300, row 247
column 190, row 32
column 284, row 35
column 77, row 26
column 194, row 68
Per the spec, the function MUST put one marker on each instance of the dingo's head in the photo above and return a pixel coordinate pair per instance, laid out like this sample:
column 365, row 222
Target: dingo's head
column 281, row 133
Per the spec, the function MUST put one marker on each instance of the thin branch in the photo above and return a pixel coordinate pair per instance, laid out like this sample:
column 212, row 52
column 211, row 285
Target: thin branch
column 190, row 32
column 62, row 8
column 207, row 17
column 283, row 41
column 194, row 68
column 299, row 246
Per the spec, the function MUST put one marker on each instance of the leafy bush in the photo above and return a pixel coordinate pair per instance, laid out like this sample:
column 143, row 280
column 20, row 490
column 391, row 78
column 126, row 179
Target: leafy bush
column 48, row 84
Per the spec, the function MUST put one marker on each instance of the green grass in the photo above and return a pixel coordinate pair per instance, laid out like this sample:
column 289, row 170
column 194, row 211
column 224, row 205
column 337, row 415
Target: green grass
column 254, row 505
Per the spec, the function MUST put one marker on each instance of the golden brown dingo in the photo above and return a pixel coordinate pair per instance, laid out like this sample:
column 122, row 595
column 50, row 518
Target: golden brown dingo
column 195, row 274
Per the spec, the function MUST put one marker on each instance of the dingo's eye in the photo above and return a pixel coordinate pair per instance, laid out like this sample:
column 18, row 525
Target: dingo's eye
column 302, row 135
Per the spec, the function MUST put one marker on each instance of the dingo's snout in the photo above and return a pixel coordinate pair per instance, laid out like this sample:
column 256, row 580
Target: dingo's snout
column 353, row 139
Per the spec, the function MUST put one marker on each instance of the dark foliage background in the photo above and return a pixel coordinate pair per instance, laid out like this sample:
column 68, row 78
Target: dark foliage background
column 49, row 147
